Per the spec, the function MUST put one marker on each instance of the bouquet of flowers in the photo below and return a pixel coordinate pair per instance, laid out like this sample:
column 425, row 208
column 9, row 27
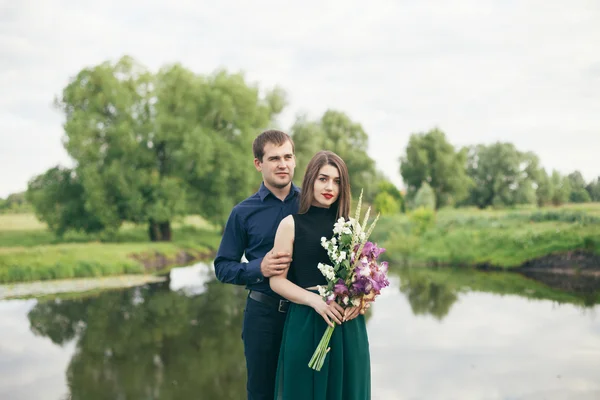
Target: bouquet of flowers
column 356, row 277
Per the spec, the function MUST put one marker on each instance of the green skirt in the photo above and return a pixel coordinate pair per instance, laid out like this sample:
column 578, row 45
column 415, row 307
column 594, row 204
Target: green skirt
column 346, row 373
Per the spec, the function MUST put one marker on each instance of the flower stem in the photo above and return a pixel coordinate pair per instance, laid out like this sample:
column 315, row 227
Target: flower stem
column 318, row 357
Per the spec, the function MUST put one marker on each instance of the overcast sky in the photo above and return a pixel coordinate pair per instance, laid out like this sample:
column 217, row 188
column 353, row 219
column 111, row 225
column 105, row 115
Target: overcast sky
column 526, row 72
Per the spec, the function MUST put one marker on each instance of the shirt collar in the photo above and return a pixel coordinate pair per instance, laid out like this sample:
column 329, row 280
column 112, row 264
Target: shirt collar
column 263, row 192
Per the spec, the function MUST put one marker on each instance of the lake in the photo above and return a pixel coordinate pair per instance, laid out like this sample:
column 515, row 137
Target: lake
column 434, row 334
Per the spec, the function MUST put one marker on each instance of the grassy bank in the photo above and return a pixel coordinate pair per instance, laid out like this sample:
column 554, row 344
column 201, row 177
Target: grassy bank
column 505, row 238
column 28, row 251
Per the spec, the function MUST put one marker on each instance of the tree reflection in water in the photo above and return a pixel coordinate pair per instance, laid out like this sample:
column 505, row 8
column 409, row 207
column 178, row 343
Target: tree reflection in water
column 426, row 296
column 434, row 290
column 150, row 342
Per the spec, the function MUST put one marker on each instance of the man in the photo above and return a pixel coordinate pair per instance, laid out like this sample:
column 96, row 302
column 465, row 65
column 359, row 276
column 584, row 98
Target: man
column 250, row 231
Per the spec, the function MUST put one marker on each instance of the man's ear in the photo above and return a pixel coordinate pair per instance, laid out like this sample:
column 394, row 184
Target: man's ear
column 258, row 165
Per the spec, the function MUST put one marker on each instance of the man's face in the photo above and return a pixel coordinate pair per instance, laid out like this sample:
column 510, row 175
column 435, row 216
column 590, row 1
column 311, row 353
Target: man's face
column 278, row 164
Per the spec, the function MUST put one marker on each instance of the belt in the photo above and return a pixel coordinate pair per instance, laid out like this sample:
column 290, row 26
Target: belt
column 281, row 305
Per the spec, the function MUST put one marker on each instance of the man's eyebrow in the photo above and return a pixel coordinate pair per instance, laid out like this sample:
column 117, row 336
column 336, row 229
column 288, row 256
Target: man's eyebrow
column 285, row 155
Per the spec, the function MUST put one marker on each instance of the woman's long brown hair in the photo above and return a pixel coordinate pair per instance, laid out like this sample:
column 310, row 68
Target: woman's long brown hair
column 318, row 161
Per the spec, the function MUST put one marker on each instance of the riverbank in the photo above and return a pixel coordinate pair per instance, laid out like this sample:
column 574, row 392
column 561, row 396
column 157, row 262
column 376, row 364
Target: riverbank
column 562, row 238
column 29, row 252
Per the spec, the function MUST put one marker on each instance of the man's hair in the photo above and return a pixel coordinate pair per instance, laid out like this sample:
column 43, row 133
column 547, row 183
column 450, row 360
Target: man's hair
column 271, row 136
column 318, row 161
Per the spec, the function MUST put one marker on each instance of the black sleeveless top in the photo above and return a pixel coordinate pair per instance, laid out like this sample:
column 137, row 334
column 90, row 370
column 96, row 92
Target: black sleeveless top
column 309, row 228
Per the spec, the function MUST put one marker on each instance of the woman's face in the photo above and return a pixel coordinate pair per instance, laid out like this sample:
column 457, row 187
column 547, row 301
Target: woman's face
column 327, row 187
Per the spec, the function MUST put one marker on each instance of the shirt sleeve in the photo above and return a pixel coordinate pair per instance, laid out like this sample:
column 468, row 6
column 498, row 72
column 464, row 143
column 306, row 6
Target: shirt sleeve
column 228, row 265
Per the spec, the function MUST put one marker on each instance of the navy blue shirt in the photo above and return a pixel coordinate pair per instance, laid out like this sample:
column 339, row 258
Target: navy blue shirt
column 251, row 230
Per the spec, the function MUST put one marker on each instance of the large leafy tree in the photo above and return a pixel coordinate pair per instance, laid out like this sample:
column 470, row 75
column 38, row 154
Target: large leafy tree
column 59, row 200
column 579, row 194
column 502, row 175
column 335, row 131
column 430, row 158
column 151, row 147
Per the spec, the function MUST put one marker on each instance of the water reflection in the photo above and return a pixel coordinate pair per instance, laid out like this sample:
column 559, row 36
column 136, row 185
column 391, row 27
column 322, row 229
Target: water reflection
column 427, row 296
column 150, row 342
column 433, row 291
column 434, row 334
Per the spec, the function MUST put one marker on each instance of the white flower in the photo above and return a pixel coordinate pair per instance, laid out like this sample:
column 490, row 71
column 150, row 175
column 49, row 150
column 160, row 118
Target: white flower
column 327, row 271
column 338, row 226
column 345, row 300
column 324, row 242
column 355, row 302
column 334, row 241
column 322, row 291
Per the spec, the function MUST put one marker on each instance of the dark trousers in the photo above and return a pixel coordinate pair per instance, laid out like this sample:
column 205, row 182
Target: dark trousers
column 262, row 332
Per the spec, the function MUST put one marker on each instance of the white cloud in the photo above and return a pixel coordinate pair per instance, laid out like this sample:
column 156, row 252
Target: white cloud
column 524, row 72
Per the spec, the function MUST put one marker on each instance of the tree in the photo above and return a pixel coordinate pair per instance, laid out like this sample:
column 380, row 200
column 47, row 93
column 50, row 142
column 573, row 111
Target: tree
column 578, row 194
column 593, row 189
column 58, row 199
column 15, row 203
column 388, row 188
column 502, row 175
column 425, row 197
column 545, row 190
column 151, row 147
column 385, row 204
column 562, row 188
column 336, row 132
column 431, row 158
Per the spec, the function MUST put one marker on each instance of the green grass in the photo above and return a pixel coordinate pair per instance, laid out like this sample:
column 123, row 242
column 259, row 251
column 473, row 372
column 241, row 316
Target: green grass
column 30, row 252
column 77, row 260
column 500, row 238
column 20, row 222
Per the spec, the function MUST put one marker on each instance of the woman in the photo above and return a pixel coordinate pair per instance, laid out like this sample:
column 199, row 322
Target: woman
column 346, row 373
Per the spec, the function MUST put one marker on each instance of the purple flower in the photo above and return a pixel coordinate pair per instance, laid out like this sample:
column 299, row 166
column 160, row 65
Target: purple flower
column 340, row 289
column 330, row 298
column 371, row 251
column 361, row 286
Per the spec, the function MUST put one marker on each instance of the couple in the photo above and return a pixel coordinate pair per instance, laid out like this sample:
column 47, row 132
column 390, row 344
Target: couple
column 279, row 231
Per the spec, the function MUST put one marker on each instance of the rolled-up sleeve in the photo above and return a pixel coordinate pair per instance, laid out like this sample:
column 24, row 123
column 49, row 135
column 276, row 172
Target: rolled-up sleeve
column 228, row 265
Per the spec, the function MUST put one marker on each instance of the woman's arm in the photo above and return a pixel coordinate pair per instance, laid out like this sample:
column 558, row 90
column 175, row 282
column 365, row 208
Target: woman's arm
column 284, row 242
